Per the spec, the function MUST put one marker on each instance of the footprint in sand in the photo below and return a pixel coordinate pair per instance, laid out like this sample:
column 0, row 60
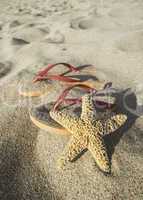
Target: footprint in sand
column 56, row 38
column 40, row 26
column 27, row 35
column 18, row 41
column 131, row 42
column 81, row 23
column 38, row 13
column 86, row 24
column 14, row 24
column 101, row 22
column 5, row 68
column 1, row 25
column 43, row 27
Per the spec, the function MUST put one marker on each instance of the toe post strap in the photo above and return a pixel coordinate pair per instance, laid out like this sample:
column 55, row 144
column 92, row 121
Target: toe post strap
column 62, row 98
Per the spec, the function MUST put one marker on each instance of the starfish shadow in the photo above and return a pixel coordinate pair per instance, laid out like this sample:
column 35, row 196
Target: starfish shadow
column 79, row 155
column 126, row 103
column 84, row 151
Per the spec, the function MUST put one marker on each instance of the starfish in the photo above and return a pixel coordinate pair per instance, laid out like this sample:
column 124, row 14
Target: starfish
column 87, row 133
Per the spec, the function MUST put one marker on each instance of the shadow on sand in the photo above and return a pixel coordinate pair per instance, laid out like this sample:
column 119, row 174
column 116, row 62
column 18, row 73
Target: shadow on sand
column 126, row 104
column 20, row 176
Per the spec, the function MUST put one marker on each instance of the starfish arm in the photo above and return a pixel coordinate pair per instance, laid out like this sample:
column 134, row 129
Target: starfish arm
column 88, row 109
column 112, row 124
column 63, row 118
column 72, row 150
column 98, row 149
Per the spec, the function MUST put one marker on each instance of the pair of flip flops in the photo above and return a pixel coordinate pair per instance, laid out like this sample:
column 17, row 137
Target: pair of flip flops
column 78, row 121
column 44, row 80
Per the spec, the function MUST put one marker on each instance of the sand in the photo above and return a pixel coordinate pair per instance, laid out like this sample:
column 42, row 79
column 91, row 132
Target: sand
column 107, row 34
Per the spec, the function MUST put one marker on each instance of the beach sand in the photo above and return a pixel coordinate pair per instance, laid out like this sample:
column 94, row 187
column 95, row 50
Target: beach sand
column 107, row 34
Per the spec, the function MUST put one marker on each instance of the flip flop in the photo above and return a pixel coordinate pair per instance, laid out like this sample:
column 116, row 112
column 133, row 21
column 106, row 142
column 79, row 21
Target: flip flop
column 40, row 114
column 43, row 81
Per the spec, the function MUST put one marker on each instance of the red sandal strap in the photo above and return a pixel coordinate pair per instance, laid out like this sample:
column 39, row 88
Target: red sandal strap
column 61, row 98
column 57, row 78
column 72, row 101
column 43, row 73
column 100, row 104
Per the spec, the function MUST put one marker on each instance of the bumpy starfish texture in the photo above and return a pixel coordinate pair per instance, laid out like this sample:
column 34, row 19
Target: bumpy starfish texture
column 87, row 133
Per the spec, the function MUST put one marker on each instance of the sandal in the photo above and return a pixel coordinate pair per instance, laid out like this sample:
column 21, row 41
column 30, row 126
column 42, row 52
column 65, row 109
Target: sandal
column 40, row 114
column 42, row 82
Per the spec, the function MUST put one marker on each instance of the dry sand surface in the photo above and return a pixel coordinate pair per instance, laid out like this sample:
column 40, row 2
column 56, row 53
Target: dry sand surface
column 107, row 34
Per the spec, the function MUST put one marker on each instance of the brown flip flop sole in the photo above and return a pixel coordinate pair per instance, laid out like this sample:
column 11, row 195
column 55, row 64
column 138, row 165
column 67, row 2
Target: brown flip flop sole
column 45, row 126
column 41, row 118
column 28, row 89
